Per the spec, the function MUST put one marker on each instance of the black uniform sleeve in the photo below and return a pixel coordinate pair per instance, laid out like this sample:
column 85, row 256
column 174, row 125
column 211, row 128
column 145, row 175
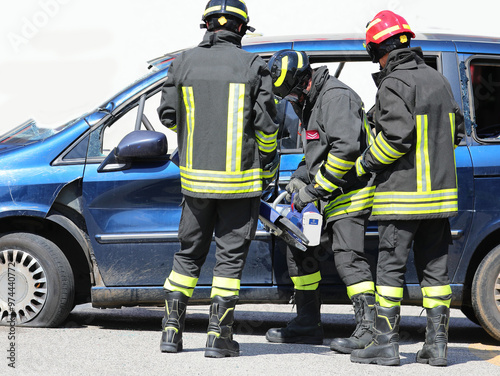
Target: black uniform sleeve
column 301, row 172
column 266, row 129
column 395, row 126
column 341, row 117
column 167, row 111
column 458, row 116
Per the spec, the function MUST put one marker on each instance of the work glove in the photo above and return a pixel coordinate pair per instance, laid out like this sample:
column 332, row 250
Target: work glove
column 308, row 194
column 361, row 170
column 293, row 186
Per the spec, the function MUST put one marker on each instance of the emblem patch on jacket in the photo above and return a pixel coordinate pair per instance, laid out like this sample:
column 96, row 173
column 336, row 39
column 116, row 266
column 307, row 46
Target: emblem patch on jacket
column 312, row 135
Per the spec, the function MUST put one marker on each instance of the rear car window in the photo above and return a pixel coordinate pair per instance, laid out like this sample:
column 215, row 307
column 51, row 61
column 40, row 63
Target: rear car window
column 485, row 81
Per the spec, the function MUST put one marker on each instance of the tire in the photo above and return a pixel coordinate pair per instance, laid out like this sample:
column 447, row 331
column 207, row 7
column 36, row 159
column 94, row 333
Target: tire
column 486, row 293
column 38, row 277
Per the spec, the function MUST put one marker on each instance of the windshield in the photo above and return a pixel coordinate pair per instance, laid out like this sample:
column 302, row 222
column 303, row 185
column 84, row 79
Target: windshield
column 29, row 132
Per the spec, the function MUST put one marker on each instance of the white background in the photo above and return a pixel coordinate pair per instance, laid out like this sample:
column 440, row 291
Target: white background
column 61, row 58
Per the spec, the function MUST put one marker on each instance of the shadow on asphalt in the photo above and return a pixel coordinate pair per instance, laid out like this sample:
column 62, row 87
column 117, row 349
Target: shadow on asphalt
column 412, row 328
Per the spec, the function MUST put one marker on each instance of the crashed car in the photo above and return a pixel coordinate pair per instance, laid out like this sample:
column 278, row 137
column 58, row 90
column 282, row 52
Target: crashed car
column 89, row 210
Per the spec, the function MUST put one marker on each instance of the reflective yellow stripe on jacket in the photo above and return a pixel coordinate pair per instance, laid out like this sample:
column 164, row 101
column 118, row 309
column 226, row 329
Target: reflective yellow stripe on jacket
column 221, row 181
column 233, row 179
column 266, row 142
column 424, row 200
column 351, row 202
column 368, row 130
column 422, row 156
column 190, row 111
column 415, row 202
column 236, row 105
column 326, row 184
column 383, row 152
column 338, row 167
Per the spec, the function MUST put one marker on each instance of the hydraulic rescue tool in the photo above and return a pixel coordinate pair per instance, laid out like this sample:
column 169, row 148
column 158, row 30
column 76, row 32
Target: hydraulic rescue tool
column 281, row 226
column 297, row 229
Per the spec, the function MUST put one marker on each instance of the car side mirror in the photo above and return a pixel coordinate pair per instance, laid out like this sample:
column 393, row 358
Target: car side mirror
column 137, row 145
column 142, row 144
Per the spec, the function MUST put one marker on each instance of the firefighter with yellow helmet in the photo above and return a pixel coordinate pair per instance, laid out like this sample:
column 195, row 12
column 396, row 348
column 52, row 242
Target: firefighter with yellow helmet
column 218, row 98
column 418, row 124
column 335, row 132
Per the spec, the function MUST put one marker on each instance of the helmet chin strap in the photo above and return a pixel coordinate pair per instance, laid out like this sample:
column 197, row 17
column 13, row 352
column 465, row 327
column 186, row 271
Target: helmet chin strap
column 242, row 31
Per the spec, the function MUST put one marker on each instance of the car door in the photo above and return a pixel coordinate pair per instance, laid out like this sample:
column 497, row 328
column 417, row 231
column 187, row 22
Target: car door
column 132, row 212
column 483, row 126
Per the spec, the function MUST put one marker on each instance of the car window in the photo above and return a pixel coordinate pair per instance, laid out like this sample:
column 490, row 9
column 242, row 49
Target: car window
column 288, row 134
column 30, row 131
column 485, row 81
column 78, row 152
column 105, row 138
column 356, row 75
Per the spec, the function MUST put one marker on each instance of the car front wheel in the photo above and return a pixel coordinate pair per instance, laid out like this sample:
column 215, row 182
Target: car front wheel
column 486, row 293
column 36, row 281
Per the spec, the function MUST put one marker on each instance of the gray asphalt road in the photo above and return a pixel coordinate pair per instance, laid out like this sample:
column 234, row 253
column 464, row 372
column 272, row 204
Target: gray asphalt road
column 126, row 342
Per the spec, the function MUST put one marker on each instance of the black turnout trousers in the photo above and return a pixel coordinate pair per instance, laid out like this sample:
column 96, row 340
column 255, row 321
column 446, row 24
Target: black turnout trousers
column 430, row 239
column 233, row 221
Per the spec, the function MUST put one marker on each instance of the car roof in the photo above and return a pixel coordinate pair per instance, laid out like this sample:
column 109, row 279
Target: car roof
column 358, row 36
column 316, row 43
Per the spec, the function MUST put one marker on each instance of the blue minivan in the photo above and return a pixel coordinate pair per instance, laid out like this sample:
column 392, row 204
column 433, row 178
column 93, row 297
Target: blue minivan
column 89, row 210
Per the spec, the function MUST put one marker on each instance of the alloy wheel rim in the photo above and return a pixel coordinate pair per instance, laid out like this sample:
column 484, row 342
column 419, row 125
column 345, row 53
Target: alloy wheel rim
column 23, row 283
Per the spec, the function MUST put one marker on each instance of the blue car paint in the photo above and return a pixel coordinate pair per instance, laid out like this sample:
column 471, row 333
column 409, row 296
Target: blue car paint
column 29, row 184
column 134, row 89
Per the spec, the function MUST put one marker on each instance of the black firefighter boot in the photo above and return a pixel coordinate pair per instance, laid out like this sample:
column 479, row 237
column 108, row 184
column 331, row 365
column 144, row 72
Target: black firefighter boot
column 434, row 351
column 364, row 312
column 220, row 341
column 384, row 347
column 173, row 322
column 306, row 326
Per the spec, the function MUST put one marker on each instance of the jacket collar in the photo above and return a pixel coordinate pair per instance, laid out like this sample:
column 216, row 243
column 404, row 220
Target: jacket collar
column 319, row 77
column 222, row 36
column 405, row 58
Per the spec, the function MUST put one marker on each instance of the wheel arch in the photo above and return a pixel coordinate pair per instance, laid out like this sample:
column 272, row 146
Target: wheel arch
column 72, row 241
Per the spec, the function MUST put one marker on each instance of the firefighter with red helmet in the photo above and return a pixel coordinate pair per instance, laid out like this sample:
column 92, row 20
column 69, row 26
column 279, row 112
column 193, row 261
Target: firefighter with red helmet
column 418, row 124
column 335, row 132
column 218, row 99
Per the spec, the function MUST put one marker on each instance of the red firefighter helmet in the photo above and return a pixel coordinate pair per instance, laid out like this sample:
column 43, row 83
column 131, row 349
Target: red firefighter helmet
column 384, row 26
